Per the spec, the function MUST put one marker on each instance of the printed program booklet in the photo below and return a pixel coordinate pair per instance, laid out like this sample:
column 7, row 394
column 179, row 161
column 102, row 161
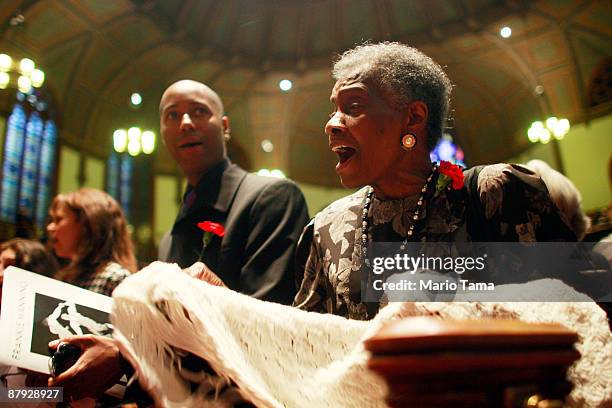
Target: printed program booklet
column 36, row 310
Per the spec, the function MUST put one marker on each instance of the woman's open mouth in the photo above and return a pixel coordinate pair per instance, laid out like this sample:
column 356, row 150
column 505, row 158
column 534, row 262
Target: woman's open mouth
column 344, row 153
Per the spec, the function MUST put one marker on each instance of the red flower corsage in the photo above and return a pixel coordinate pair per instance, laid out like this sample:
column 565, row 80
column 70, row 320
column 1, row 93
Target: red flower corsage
column 449, row 173
column 214, row 227
column 210, row 229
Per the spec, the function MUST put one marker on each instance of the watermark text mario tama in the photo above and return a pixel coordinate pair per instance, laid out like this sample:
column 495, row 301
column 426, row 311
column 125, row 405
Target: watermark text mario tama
column 408, row 266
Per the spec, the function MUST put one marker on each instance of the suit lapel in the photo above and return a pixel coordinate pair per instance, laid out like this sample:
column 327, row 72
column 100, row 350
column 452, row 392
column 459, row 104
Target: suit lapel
column 224, row 191
column 232, row 178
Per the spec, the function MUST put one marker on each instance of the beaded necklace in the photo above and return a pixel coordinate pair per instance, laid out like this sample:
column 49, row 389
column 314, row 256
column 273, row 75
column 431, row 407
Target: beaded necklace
column 415, row 217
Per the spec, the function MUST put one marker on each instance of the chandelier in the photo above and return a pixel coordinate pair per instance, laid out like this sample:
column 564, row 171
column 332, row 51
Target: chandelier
column 23, row 74
column 134, row 140
column 544, row 132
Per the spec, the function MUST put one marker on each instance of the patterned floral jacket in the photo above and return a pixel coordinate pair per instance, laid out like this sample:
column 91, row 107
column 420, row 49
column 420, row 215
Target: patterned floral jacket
column 498, row 203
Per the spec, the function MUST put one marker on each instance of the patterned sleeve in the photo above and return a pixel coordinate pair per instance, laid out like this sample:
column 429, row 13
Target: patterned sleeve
column 109, row 278
column 312, row 295
column 517, row 207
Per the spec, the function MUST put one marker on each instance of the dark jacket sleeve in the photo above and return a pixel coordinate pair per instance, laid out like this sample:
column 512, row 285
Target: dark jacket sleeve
column 276, row 221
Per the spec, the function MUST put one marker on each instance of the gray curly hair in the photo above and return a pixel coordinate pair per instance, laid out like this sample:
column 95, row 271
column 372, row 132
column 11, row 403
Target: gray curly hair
column 403, row 74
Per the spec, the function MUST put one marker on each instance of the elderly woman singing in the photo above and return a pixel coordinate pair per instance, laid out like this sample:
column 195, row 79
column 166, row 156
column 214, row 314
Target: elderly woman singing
column 390, row 107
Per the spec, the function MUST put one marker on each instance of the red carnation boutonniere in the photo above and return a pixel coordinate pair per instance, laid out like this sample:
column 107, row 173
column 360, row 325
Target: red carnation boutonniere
column 449, row 173
column 210, row 229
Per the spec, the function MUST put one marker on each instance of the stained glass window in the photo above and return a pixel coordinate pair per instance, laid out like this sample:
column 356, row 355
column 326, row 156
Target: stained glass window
column 29, row 163
column 447, row 150
column 119, row 170
column 45, row 172
column 29, row 166
column 11, row 169
column 125, row 180
column 112, row 175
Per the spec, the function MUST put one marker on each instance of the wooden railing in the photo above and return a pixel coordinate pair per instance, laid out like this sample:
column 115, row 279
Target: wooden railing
column 429, row 362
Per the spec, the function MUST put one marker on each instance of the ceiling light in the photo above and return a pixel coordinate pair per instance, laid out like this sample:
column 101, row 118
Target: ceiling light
column 147, row 140
column 561, row 128
column 545, row 136
column 135, row 99
column 24, row 84
column 285, row 85
column 505, row 32
column 533, row 135
column 38, row 77
column 277, row 173
column 4, row 80
column 134, row 134
column 133, row 147
column 134, row 140
column 5, row 62
column 120, row 140
column 544, row 131
column 271, row 173
column 24, row 74
column 267, row 146
column 539, row 90
column 16, row 20
column 551, row 122
column 26, row 66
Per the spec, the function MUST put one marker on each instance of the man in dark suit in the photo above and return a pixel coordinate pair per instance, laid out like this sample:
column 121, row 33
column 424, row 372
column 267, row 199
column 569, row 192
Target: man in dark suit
column 263, row 217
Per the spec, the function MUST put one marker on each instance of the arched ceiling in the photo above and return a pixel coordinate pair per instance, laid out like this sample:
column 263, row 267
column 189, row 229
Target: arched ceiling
column 96, row 53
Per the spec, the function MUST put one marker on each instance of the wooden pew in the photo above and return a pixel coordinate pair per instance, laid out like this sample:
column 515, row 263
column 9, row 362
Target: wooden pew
column 428, row 362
